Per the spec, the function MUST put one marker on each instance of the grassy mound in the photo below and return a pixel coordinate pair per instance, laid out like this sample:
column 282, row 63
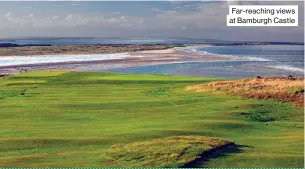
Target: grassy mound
column 286, row 89
column 173, row 151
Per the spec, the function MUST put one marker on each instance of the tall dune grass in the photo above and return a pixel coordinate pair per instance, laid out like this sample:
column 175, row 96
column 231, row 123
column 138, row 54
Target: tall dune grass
column 286, row 89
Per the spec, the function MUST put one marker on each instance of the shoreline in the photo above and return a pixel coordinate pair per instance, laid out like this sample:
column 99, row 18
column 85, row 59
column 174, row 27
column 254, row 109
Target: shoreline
column 125, row 59
column 134, row 58
column 79, row 49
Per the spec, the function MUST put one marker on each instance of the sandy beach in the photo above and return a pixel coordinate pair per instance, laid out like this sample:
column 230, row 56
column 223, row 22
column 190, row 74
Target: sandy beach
column 134, row 58
column 164, row 51
column 80, row 49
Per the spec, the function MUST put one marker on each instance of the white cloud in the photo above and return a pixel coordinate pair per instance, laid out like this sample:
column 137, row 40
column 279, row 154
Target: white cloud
column 25, row 7
column 126, row 24
column 70, row 20
column 54, row 17
column 171, row 12
column 112, row 20
column 156, row 10
column 123, row 18
column 68, row 17
column 7, row 15
column 141, row 21
column 58, row 6
column 204, row 17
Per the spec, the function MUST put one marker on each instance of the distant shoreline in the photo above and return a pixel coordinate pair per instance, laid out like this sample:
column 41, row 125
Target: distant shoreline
column 12, row 49
column 147, row 57
column 79, row 49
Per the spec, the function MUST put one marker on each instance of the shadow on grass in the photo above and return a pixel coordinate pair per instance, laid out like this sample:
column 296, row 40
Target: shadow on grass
column 216, row 153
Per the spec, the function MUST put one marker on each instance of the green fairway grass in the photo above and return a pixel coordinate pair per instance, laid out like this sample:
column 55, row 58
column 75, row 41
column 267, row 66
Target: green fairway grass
column 74, row 119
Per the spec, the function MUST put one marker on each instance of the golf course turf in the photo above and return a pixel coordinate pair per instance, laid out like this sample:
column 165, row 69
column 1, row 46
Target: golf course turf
column 89, row 119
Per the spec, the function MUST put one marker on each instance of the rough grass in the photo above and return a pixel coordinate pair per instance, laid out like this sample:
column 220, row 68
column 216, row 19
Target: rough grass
column 259, row 115
column 73, row 118
column 286, row 89
column 165, row 152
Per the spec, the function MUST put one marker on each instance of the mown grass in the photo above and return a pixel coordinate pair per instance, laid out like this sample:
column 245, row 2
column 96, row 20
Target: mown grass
column 72, row 119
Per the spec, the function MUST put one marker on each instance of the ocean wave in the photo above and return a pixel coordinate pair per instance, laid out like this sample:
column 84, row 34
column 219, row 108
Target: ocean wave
column 233, row 57
column 288, row 67
column 24, row 60
column 251, row 58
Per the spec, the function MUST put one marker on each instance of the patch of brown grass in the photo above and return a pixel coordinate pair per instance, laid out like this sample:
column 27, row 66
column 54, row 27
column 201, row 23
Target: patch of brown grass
column 286, row 89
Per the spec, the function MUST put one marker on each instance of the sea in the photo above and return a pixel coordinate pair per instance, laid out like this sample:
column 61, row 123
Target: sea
column 246, row 61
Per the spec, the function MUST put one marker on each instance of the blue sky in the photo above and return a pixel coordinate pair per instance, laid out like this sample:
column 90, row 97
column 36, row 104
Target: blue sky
column 167, row 18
